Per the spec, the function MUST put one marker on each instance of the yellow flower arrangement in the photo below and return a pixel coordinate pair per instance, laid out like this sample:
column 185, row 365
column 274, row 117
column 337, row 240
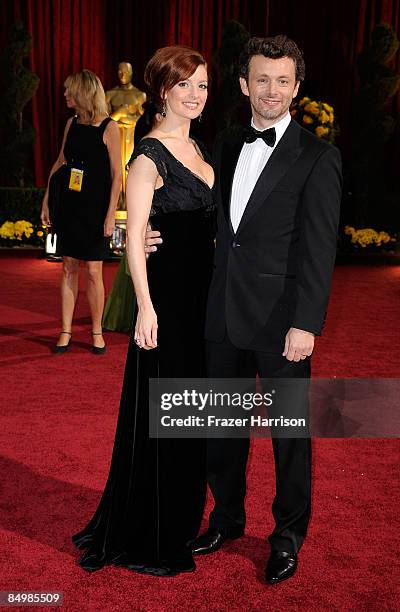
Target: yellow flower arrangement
column 7, row 230
column 367, row 237
column 327, row 107
column 324, row 117
column 312, row 107
column 21, row 231
column 316, row 116
column 23, row 228
column 320, row 131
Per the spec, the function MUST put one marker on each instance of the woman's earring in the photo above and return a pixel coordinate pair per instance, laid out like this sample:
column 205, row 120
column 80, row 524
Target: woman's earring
column 164, row 111
column 200, row 117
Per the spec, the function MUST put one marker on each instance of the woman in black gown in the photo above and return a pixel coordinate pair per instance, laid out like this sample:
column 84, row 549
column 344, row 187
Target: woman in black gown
column 153, row 501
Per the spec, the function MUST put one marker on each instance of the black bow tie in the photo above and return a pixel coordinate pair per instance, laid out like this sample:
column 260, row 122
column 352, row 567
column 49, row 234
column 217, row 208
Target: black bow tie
column 269, row 136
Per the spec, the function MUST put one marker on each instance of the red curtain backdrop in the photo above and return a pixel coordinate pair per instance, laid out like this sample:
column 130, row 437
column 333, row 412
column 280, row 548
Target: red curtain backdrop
column 71, row 34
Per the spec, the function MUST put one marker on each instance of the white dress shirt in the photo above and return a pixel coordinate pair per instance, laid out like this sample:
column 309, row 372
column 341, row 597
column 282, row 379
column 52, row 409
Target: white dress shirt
column 251, row 162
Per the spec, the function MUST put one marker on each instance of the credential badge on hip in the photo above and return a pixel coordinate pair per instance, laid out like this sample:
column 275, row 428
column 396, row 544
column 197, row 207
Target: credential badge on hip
column 75, row 180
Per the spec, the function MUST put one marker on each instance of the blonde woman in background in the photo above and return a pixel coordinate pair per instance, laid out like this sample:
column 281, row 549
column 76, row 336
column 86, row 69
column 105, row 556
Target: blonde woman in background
column 87, row 179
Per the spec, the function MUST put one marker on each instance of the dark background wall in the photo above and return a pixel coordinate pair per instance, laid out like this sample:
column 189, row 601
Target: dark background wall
column 71, row 34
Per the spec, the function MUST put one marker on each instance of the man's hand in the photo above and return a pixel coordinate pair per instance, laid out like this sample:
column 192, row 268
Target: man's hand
column 153, row 237
column 299, row 344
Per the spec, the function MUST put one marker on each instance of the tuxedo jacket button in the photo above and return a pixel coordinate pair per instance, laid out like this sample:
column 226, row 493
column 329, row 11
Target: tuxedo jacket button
column 235, row 245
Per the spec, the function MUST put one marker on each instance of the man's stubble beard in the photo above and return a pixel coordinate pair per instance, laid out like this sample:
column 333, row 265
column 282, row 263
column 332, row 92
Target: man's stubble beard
column 267, row 114
column 270, row 114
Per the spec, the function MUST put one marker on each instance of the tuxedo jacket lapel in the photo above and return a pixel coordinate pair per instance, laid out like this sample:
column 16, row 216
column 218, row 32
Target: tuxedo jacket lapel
column 285, row 154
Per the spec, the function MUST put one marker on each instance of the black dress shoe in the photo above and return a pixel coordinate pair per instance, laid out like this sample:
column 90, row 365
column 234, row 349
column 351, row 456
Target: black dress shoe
column 281, row 565
column 212, row 540
column 163, row 572
column 90, row 562
column 98, row 350
column 63, row 348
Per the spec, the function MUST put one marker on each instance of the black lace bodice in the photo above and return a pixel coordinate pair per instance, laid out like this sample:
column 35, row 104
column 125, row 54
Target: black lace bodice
column 182, row 189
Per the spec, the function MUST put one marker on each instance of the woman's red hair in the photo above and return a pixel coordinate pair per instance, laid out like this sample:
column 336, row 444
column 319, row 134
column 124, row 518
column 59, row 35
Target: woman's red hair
column 168, row 67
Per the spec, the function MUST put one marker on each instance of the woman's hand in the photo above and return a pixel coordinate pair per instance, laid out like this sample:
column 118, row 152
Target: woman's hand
column 109, row 226
column 146, row 328
column 45, row 214
column 60, row 161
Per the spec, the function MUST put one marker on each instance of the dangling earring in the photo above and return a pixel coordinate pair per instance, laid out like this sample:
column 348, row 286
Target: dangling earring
column 164, row 111
column 200, row 117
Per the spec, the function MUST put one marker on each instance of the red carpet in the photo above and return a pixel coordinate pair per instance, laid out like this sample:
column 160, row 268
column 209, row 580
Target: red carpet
column 57, row 429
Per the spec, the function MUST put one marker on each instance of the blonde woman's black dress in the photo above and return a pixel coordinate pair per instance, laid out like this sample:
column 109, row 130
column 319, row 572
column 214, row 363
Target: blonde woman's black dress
column 79, row 216
column 154, row 497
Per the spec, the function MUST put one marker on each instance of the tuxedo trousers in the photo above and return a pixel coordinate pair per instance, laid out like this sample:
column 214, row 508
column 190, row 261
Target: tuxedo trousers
column 227, row 457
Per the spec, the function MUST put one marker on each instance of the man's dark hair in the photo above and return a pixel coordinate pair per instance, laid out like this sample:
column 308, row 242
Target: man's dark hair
column 273, row 47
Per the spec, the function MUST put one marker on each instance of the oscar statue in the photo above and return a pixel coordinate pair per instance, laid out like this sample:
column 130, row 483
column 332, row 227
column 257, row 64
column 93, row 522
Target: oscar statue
column 125, row 105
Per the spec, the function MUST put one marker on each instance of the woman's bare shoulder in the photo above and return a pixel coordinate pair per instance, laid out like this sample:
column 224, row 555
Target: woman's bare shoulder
column 157, row 135
column 111, row 127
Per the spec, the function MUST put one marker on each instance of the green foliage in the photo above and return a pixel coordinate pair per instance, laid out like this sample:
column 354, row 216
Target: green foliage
column 229, row 96
column 375, row 192
column 384, row 46
column 19, row 85
column 20, row 203
column 378, row 82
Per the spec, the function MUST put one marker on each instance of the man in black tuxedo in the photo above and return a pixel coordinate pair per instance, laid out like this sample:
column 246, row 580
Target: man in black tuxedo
column 279, row 191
